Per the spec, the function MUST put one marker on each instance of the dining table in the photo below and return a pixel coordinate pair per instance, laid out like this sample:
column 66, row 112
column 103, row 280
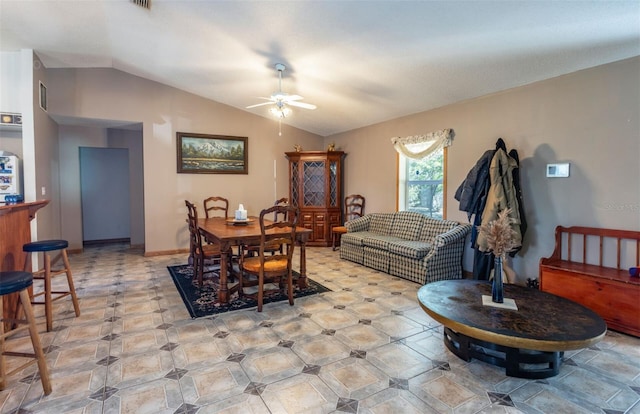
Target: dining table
column 229, row 232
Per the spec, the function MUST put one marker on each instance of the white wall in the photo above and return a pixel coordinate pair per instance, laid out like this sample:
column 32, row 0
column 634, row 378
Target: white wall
column 10, row 99
column 10, row 75
column 588, row 118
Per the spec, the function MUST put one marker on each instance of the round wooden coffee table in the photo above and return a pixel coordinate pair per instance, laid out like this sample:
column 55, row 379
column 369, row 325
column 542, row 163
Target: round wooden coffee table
column 527, row 342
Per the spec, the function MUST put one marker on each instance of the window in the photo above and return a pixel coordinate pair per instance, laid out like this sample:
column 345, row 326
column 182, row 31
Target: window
column 421, row 186
column 422, row 162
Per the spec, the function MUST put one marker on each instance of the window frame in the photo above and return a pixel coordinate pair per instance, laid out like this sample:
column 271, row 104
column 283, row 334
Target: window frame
column 401, row 181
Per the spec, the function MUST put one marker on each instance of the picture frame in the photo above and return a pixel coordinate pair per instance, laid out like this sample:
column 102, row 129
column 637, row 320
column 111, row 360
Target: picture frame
column 212, row 154
column 43, row 96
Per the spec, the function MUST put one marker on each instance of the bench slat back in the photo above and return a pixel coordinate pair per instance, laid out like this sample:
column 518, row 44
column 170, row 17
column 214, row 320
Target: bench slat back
column 625, row 241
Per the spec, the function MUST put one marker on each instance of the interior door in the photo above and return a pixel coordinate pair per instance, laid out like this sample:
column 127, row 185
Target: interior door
column 104, row 186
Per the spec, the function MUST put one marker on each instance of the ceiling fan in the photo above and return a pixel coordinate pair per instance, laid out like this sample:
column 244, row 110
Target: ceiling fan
column 281, row 100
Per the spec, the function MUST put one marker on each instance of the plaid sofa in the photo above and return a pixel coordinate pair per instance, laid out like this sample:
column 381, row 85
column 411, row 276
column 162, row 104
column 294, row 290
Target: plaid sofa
column 406, row 244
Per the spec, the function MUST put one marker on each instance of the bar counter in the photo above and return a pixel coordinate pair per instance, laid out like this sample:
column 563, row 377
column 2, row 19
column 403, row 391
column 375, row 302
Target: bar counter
column 15, row 231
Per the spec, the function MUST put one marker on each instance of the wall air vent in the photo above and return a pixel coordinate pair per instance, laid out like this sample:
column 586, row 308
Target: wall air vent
column 142, row 3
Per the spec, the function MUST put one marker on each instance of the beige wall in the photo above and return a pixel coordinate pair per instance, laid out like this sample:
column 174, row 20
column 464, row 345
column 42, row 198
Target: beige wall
column 46, row 158
column 72, row 137
column 132, row 140
column 588, row 119
column 163, row 111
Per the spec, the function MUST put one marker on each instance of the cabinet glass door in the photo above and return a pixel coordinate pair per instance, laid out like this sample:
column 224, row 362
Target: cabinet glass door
column 313, row 183
column 333, row 184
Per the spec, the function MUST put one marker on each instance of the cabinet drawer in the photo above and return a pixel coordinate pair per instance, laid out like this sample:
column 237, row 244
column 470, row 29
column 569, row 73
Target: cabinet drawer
column 307, row 217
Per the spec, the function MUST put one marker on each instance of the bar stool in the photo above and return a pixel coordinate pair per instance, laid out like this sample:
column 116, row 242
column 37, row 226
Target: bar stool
column 47, row 273
column 12, row 282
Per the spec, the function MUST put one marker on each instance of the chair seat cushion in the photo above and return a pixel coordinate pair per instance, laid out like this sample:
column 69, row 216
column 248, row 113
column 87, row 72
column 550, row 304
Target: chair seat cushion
column 45, row 245
column 277, row 263
column 14, row 281
column 339, row 229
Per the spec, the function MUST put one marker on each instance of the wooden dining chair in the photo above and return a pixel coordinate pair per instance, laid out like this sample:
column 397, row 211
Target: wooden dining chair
column 273, row 248
column 214, row 205
column 353, row 208
column 276, row 269
column 202, row 254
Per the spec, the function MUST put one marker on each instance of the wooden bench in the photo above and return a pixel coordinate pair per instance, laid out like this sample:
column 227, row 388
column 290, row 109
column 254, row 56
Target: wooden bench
column 591, row 266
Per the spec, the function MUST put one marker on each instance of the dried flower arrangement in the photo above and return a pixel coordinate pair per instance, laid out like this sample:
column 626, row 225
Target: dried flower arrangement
column 500, row 235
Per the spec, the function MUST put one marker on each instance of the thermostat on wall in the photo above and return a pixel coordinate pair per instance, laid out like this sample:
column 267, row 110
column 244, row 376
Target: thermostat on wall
column 558, row 170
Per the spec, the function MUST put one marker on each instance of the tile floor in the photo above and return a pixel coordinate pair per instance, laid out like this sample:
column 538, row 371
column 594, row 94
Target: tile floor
column 366, row 347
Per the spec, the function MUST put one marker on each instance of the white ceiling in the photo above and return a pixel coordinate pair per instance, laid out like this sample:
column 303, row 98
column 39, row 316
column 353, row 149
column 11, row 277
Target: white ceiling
column 360, row 62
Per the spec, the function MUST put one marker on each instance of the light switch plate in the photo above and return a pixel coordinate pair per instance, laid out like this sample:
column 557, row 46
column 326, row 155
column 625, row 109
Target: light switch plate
column 558, row 170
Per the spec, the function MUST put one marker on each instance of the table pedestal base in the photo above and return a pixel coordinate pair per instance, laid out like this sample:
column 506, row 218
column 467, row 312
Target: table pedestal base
column 521, row 363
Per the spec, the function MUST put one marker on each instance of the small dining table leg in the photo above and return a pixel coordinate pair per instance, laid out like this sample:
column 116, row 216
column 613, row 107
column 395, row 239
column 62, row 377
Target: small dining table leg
column 302, row 280
column 223, row 290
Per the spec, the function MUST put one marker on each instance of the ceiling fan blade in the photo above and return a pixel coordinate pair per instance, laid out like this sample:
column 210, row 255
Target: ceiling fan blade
column 260, row 104
column 293, row 98
column 302, row 105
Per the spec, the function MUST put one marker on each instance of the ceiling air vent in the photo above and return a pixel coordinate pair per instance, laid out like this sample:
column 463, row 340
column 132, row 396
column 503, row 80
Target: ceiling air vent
column 142, row 3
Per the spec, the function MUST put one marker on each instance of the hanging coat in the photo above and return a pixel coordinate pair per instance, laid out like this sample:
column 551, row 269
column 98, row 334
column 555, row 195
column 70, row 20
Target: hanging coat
column 502, row 195
column 518, row 189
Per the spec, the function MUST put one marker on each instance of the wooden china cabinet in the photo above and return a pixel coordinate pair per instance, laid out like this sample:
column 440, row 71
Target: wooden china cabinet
column 315, row 187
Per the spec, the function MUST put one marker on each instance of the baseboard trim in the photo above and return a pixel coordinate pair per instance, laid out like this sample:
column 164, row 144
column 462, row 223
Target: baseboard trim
column 165, row 252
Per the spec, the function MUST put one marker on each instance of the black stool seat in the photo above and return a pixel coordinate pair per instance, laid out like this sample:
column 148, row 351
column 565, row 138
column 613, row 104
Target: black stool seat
column 15, row 281
column 47, row 273
column 18, row 282
column 45, row 245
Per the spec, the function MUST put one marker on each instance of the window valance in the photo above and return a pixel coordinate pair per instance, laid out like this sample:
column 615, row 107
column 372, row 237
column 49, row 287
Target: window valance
column 420, row 146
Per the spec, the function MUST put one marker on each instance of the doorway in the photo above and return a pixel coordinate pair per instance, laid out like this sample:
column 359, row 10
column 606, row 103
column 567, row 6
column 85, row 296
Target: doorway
column 105, row 195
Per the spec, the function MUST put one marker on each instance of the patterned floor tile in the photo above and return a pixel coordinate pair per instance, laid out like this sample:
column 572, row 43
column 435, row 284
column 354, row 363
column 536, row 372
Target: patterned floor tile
column 161, row 396
column 321, row 350
column 300, row 394
column 399, row 361
column 214, row 383
column 270, row 365
column 366, row 347
column 354, row 378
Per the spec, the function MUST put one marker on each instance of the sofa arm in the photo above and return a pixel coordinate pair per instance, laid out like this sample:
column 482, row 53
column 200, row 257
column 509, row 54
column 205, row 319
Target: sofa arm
column 452, row 236
column 358, row 224
column 444, row 260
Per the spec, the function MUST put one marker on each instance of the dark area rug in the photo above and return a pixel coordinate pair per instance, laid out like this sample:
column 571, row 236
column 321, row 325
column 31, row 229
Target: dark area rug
column 203, row 301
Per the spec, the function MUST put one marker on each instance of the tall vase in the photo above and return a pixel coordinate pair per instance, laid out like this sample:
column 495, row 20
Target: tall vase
column 497, row 288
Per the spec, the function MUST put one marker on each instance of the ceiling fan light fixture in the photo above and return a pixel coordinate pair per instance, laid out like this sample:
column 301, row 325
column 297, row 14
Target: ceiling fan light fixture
column 281, row 101
column 280, row 111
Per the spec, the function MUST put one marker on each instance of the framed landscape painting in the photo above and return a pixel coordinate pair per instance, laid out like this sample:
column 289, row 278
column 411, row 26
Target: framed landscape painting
column 212, row 154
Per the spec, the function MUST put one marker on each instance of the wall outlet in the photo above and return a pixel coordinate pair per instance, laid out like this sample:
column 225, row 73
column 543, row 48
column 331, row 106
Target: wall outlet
column 44, row 190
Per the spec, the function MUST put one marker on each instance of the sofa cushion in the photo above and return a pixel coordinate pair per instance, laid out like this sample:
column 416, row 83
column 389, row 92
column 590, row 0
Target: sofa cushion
column 356, row 238
column 432, row 227
column 381, row 223
column 376, row 259
column 407, row 225
column 410, row 248
column 378, row 241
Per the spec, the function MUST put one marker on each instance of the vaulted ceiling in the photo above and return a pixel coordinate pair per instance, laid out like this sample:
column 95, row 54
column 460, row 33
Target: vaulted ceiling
column 360, row 62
